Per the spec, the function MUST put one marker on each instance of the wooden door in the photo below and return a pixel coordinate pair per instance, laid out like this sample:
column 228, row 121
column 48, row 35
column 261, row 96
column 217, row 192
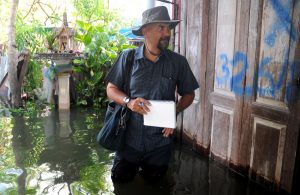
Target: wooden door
column 275, row 106
column 255, row 98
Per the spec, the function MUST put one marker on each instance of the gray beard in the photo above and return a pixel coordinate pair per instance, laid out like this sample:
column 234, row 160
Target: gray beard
column 163, row 46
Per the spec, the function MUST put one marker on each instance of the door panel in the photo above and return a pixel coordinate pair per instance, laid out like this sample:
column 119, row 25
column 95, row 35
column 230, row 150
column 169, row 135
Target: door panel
column 223, row 109
column 268, row 141
column 225, row 46
column 221, row 130
column 193, row 115
column 273, row 66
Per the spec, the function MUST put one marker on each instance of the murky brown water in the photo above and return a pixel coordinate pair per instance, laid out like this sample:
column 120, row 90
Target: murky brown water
column 55, row 153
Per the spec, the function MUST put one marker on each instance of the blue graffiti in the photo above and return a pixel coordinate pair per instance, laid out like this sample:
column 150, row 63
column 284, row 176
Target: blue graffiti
column 275, row 83
column 237, row 80
column 274, row 86
column 225, row 71
column 284, row 22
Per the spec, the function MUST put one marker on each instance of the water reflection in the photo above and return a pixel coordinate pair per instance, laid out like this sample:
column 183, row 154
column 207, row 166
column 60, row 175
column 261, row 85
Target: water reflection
column 7, row 160
column 56, row 153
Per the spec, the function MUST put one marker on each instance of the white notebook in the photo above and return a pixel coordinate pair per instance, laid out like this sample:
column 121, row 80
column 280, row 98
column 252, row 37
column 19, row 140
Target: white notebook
column 162, row 114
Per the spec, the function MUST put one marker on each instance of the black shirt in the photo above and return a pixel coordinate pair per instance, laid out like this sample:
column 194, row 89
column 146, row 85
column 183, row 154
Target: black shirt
column 152, row 81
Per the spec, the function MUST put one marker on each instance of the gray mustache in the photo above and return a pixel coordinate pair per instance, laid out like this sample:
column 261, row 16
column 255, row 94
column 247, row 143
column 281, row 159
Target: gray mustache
column 165, row 39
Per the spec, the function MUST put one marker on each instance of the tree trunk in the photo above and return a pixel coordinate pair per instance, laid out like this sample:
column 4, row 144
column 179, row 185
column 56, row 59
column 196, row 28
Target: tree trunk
column 15, row 86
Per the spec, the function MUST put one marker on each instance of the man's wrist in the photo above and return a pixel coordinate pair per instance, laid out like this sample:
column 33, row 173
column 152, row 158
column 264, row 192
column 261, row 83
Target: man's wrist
column 126, row 100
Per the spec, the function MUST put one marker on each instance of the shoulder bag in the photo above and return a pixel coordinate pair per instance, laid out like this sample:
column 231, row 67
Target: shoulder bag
column 112, row 135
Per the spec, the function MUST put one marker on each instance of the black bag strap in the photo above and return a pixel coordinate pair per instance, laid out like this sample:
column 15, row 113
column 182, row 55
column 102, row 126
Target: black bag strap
column 128, row 69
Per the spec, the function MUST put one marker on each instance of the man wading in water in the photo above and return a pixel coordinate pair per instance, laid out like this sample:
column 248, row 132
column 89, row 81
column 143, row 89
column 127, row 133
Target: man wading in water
column 156, row 73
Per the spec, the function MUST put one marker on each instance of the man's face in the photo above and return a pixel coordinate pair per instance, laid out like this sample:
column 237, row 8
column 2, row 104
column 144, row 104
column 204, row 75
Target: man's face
column 158, row 34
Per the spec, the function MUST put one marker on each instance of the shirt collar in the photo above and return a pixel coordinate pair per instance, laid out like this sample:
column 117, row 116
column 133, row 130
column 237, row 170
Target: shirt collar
column 139, row 54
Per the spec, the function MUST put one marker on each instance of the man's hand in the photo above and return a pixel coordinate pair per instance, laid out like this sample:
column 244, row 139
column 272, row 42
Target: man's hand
column 167, row 132
column 139, row 105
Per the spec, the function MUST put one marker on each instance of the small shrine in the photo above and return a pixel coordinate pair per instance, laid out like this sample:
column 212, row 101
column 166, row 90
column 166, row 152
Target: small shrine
column 61, row 56
column 65, row 36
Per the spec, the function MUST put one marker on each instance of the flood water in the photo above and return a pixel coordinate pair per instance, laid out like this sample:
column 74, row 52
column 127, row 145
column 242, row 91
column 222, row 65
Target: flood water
column 53, row 152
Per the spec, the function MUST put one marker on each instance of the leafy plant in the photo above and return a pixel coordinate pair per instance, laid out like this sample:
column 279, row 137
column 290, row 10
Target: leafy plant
column 31, row 36
column 102, row 45
column 97, row 32
column 50, row 38
column 95, row 11
column 32, row 109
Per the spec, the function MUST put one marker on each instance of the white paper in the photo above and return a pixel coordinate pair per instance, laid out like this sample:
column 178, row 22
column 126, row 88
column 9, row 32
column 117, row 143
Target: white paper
column 162, row 114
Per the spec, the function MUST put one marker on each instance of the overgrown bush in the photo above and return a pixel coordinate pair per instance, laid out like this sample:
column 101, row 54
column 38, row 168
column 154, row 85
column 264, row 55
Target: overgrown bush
column 102, row 46
column 31, row 36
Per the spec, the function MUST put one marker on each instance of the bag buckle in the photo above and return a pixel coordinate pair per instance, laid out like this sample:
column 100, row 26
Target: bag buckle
column 122, row 122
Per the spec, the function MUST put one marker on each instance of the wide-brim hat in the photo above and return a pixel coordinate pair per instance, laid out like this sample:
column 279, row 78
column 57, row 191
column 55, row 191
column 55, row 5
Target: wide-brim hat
column 155, row 15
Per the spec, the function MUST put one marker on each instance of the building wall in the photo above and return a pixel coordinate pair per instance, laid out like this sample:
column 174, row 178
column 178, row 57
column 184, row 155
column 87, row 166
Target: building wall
column 245, row 55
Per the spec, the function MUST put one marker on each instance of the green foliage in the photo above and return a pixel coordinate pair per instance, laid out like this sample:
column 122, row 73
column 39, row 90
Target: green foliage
column 102, row 45
column 50, row 38
column 34, row 75
column 5, row 12
column 94, row 11
column 32, row 109
column 31, row 36
column 96, row 31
